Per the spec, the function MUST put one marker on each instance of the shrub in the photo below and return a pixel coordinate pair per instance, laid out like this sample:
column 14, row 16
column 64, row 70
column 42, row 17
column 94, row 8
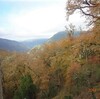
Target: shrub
column 26, row 90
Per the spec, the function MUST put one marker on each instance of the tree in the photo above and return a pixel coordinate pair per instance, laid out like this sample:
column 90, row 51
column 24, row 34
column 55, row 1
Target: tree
column 89, row 8
column 70, row 31
column 26, row 90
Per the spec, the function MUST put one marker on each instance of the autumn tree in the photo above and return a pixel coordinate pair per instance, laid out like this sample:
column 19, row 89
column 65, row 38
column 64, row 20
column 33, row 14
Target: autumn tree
column 89, row 8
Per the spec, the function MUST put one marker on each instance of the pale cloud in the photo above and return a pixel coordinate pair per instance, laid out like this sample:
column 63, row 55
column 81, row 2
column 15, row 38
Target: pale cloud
column 42, row 21
column 77, row 20
column 34, row 0
column 36, row 22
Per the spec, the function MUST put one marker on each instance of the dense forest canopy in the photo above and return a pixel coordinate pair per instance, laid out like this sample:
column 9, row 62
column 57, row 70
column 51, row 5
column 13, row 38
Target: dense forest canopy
column 65, row 69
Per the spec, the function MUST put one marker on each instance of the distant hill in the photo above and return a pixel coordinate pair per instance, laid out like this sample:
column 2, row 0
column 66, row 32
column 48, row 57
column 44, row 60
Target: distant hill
column 11, row 45
column 58, row 36
column 61, row 35
column 32, row 43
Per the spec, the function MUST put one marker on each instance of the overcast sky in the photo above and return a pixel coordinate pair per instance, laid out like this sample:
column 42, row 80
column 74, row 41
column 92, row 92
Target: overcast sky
column 32, row 19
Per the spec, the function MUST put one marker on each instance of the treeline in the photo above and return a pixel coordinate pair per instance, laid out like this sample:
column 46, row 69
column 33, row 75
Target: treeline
column 68, row 69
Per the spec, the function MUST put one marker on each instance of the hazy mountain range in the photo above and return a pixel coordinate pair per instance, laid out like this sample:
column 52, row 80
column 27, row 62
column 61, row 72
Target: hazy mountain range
column 58, row 36
column 11, row 45
column 33, row 42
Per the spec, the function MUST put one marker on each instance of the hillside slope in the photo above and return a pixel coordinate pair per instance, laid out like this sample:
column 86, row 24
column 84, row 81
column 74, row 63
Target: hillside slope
column 34, row 42
column 62, row 69
column 11, row 45
column 61, row 35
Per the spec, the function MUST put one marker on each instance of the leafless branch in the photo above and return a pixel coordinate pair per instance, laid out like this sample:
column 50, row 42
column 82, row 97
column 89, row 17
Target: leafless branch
column 88, row 14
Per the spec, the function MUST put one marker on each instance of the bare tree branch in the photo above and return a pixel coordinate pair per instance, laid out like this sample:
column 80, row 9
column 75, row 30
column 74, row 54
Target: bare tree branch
column 90, row 8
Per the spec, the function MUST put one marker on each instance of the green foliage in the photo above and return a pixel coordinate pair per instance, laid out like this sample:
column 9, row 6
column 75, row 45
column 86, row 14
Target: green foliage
column 86, row 50
column 26, row 89
column 68, row 97
column 50, row 93
column 56, row 82
column 53, row 90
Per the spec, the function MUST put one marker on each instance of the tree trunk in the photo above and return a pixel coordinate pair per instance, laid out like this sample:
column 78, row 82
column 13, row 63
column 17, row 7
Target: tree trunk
column 1, row 87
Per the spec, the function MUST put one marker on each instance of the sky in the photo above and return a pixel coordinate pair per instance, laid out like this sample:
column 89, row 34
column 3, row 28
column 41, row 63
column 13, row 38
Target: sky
column 33, row 19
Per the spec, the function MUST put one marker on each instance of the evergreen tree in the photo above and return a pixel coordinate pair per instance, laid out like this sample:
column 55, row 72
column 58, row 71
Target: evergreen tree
column 26, row 90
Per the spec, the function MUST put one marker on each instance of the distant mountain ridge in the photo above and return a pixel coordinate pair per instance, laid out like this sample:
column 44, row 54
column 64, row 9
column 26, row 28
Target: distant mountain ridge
column 58, row 36
column 61, row 35
column 11, row 45
column 33, row 42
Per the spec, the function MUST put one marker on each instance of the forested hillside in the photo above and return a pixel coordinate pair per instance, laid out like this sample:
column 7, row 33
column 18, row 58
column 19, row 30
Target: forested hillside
column 70, row 67
column 65, row 69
